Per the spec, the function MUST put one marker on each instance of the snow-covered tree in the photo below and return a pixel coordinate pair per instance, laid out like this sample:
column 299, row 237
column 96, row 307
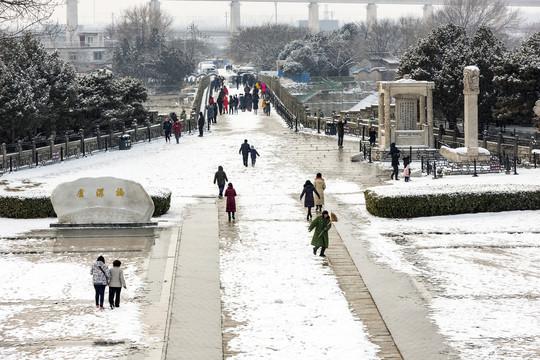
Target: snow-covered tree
column 517, row 77
column 144, row 50
column 108, row 101
column 486, row 51
column 37, row 89
column 440, row 58
column 260, row 46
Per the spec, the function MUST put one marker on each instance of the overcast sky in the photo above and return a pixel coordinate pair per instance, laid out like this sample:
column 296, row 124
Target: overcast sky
column 213, row 14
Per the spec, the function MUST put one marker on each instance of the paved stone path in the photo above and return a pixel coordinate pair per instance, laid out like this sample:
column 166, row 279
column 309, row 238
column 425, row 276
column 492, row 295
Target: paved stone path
column 390, row 305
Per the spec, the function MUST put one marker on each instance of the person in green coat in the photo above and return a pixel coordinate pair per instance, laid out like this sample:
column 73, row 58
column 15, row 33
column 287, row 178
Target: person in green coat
column 321, row 224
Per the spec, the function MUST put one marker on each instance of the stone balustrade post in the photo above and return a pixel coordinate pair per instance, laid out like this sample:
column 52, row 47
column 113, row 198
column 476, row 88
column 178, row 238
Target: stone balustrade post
column 134, row 126
column 19, row 150
column 66, row 142
column 4, row 155
column 98, row 138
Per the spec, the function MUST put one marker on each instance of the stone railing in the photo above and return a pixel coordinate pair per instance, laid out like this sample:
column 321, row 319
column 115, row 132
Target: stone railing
column 72, row 146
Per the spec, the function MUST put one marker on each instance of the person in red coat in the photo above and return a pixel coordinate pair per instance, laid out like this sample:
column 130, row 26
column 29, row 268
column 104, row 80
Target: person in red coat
column 230, row 194
column 177, row 129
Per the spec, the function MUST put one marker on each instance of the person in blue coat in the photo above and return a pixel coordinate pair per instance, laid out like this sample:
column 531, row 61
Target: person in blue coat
column 309, row 200
column 254, row 155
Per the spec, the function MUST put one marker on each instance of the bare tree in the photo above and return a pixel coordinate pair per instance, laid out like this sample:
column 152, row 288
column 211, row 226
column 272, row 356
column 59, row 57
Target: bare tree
column 19, row 15
column 139, row 22
column 473, row 14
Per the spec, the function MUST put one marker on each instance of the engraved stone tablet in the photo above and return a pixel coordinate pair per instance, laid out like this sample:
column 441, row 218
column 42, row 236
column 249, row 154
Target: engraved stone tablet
column 103, row 200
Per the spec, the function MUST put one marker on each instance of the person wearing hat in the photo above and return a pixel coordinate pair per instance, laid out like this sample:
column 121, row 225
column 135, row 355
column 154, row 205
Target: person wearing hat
column 321, row 224
column 254, row 155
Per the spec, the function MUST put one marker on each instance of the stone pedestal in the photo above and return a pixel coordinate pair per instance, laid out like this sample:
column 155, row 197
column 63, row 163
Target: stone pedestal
column 471, row 151
column 103, row 200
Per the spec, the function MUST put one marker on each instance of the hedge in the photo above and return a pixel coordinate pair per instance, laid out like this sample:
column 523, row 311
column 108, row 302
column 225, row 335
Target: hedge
column 410, row 206
column 41, row 207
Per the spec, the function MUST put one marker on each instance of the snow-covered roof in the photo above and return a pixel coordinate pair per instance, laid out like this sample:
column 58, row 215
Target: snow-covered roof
column 371, row 99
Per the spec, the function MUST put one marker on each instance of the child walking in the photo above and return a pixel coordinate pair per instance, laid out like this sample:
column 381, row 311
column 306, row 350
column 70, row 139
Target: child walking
column 254, row 155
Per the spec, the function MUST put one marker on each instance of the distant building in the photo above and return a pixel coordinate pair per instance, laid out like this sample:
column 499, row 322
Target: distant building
column 88, row 50
column 324, row 25
column 375, row 67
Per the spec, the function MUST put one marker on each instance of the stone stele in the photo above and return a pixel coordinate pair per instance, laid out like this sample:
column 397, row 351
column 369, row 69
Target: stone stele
column 102, row 200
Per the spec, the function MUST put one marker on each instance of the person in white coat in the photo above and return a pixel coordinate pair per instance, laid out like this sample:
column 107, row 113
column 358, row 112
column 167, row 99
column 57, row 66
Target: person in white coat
column 320, row 186
column 115, row 284
column 100, row 276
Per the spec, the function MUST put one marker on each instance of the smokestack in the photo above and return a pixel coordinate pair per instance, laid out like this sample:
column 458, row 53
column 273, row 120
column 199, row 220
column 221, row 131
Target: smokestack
column 72, row 21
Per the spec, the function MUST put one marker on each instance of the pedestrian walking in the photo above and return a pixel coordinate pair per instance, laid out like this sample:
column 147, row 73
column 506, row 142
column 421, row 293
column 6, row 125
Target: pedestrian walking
column 245, row 150
column 177, row 129
column 255, row 100
column 201, row 124
column 309, row 202
column 100, row 277
column 320, row 186
column 341, row 130
column 214, row 120
column 220, row 178
column 115, row 284
column 236, row 102
column 167, row 128
column 210, row 112
column 267, row 109
column 225, row 105
column 394, row 153
column 231, row 104
column 372, row 135
column 407, row 172
column 230, row 194
column 321, row 225
column 254, row 155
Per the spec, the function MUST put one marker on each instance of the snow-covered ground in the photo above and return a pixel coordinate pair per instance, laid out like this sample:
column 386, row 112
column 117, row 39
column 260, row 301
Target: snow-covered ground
column 481, row 270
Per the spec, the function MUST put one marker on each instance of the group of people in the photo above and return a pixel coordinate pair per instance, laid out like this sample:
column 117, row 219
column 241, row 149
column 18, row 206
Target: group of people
column 246, row 150
column 173, row 124
column 220, row 177
column 102, row 277
column 322, row 223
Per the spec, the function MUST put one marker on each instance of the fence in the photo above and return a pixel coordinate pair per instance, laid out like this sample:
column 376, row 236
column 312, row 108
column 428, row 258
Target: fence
column 507, row 151
column 70, row 146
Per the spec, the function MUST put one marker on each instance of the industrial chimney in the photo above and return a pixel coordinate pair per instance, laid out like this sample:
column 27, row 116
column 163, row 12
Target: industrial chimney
column 72, row 22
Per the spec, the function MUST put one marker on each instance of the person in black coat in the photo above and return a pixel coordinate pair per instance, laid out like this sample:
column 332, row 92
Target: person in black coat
column 201, row 123
column 309, row 201
column 221, row 178
column 372, row 136
column 245, row 149
column 394, row 153
column 341, row 131
column 167, row 128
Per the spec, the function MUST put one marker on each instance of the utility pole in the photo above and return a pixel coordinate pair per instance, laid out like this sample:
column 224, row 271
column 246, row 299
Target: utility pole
column 226, row 18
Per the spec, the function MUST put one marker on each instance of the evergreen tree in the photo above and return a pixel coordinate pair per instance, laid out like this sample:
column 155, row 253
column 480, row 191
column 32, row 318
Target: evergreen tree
column 37, row 89
column 440, row 58
column 517, row 77
column 486, row 52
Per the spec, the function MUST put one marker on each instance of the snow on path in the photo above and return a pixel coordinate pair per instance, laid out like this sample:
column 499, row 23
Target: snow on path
column 289, row 302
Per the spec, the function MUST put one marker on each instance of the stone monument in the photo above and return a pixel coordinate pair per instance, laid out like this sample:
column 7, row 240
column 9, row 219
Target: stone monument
column 102, row 200
column 413, row 123
column 471, row 151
